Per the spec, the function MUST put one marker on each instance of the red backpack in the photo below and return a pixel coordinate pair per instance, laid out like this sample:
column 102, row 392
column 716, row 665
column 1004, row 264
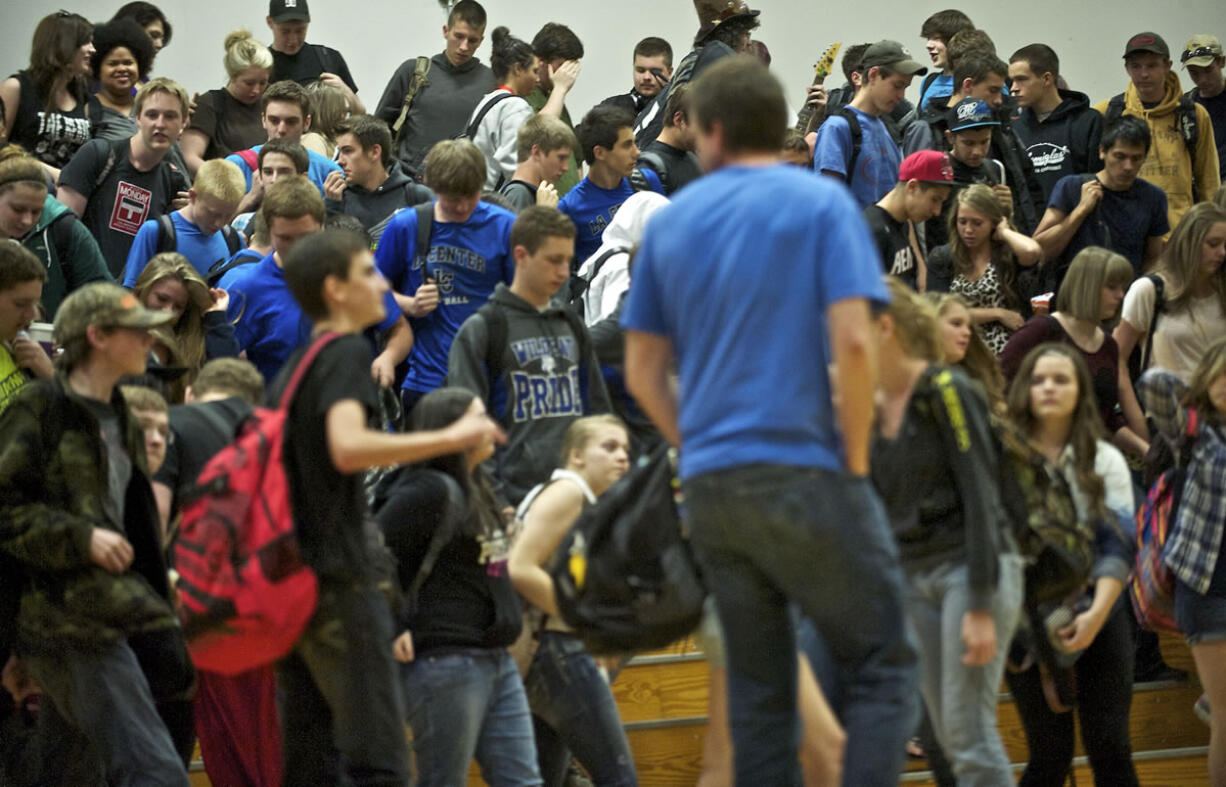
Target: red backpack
column 1153, row 585
column 246, row 593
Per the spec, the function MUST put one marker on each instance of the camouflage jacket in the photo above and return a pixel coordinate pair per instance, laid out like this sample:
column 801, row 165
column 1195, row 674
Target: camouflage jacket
column 53, row 481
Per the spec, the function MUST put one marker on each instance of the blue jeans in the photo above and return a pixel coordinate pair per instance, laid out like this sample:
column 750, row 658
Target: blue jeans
column 104, row 695
column 469, row 702
column 337, row 697
column 574, row 711
column 961, row 700
column 768, row 535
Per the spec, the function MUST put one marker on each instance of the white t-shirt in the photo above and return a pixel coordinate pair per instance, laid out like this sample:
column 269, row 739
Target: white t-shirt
column 1180, row 338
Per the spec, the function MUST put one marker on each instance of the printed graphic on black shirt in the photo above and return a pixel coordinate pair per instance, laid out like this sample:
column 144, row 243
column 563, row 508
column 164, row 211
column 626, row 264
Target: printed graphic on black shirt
column 131, row 207
column 59, row 135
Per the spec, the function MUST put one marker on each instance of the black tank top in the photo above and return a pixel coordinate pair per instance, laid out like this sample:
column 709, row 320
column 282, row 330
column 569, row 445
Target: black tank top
column 53, row 137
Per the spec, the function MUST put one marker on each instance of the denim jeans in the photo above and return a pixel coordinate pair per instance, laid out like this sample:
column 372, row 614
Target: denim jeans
column 962, row 700
column 768, row 535
column 105, row 696
column 337, row 697
column 574, row 711
column 469, row 702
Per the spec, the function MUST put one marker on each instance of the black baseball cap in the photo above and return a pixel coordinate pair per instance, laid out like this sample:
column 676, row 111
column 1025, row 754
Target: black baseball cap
column 1147, row 42
column 289, row 11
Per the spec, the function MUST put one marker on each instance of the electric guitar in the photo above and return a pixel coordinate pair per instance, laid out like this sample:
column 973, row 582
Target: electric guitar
column 807, row 118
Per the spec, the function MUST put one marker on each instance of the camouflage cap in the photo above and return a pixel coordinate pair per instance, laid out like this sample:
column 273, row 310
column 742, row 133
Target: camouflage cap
column 105, row 305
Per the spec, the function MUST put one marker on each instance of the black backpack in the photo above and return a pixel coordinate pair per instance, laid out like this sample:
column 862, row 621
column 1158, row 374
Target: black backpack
column 1185, row 124
column 168, row 240
column 625, row 577
column 577, row 285
column 857, row 138
column 1141, row 358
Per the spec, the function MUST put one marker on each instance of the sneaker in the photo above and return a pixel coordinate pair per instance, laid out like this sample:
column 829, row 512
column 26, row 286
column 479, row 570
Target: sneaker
column 1201, row 708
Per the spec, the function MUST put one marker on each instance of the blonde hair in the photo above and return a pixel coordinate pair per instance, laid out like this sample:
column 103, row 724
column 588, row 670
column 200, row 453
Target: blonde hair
column 1081, row 292
column 161, row 85
column 20, row 168
column 1182, row 256
column 979, row 363
column 221, row 180
column 581, row 432
column 144, row 399
column 915, row 322
column 189, row 330
column 244, row 52
column 1212, row 366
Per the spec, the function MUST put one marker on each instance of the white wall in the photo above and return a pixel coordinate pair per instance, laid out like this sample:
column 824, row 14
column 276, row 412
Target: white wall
column 376, row 35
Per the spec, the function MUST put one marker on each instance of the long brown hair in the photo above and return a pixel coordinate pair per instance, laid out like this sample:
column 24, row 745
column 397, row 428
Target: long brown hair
column 189, row 330
column 982, row 199
column 1181, row 257
column 57, row 38
column 1087, row 426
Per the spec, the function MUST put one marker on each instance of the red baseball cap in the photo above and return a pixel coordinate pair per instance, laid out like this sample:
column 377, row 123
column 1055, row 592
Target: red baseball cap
column 927, row 166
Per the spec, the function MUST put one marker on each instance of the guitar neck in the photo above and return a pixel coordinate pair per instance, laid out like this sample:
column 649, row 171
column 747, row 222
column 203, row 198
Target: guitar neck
column 804, row 117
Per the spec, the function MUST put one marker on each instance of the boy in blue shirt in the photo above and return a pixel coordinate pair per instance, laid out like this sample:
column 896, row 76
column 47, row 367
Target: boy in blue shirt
column 199, row 228
column 268, row 323
column 287, row 115
column 607, row 139
column 774, row 475
column 468, row 252
column 869, row 168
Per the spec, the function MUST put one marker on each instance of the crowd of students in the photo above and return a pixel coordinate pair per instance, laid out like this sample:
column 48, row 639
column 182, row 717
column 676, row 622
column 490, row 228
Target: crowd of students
column 853, row 329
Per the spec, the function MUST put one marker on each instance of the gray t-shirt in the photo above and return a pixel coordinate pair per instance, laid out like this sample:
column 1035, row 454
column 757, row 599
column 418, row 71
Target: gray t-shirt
column 118, row 463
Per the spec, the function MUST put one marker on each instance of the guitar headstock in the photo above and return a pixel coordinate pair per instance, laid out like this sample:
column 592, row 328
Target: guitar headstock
column 822, row 67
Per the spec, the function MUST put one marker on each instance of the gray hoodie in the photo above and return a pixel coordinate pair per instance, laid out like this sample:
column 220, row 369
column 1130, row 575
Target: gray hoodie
column 375, row 207
column 549, row 378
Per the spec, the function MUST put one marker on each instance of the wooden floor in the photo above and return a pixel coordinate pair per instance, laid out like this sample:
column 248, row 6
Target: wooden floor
column 663, row 701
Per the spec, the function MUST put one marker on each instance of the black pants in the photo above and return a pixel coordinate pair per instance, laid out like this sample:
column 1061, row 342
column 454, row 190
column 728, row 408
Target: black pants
column 1104, row 697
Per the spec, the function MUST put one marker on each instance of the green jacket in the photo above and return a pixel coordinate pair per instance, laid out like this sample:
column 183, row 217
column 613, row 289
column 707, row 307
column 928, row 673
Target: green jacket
column 53, row 481
column 69, row 252
column 537, row 99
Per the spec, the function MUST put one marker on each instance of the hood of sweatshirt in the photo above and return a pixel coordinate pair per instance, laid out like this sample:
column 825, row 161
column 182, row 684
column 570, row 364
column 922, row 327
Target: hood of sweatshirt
column 1070, row 102
column 1168, row 104
column 53, row 209
column 625, row 231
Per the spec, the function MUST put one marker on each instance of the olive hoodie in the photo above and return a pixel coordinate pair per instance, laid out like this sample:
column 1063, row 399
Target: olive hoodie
column 1168, row 166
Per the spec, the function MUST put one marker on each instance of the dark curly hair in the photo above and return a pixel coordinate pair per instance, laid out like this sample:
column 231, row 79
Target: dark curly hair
column 126, row 33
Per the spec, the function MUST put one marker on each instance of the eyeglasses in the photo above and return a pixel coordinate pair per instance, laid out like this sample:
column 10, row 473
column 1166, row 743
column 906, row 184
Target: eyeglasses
column 1204, row 51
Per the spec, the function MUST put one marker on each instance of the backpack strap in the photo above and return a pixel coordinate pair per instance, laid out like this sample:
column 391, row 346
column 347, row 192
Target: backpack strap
column 421, row 72
column 425, row 225
column 250, row 158
column 442, row 535
column 1159, row 304
column 584, row 342
column 167, row 235
column 1098, row 218
column 112, row 158
column 1115, row 109
column 222, row 267
column 470, row 132
column 496, row 331
column 233, row 243
column 655, row 161
column 857, row 138
column 304, row 365
column 927, row 83
column 1189, row 129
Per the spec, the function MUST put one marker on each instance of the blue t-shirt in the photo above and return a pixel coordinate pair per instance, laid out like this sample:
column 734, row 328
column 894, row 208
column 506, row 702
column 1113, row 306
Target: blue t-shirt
column 592, row 208
column 876, row 168
column 466, row 261
column 1123, row 221
column 268, row 323
column 202, row 251
column 317, row 168
column 738, row 275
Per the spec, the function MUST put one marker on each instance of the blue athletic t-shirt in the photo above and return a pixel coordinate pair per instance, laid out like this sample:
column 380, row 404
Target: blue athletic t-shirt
column 466, row 261
column 317, row 168
column 592, row 208
column 738, row 275
column 878, row 163
column 1123, row 220
column 202, row 251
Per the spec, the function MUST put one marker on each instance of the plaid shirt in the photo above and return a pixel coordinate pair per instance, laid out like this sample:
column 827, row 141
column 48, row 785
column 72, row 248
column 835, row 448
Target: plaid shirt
column 1195, row 540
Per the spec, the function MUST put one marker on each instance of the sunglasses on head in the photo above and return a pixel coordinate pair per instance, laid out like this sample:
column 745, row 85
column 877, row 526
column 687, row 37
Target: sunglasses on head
column 1204, row 51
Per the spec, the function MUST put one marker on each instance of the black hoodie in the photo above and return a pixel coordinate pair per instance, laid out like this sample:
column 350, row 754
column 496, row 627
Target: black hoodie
column 375, row 207
column 1066, row 143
